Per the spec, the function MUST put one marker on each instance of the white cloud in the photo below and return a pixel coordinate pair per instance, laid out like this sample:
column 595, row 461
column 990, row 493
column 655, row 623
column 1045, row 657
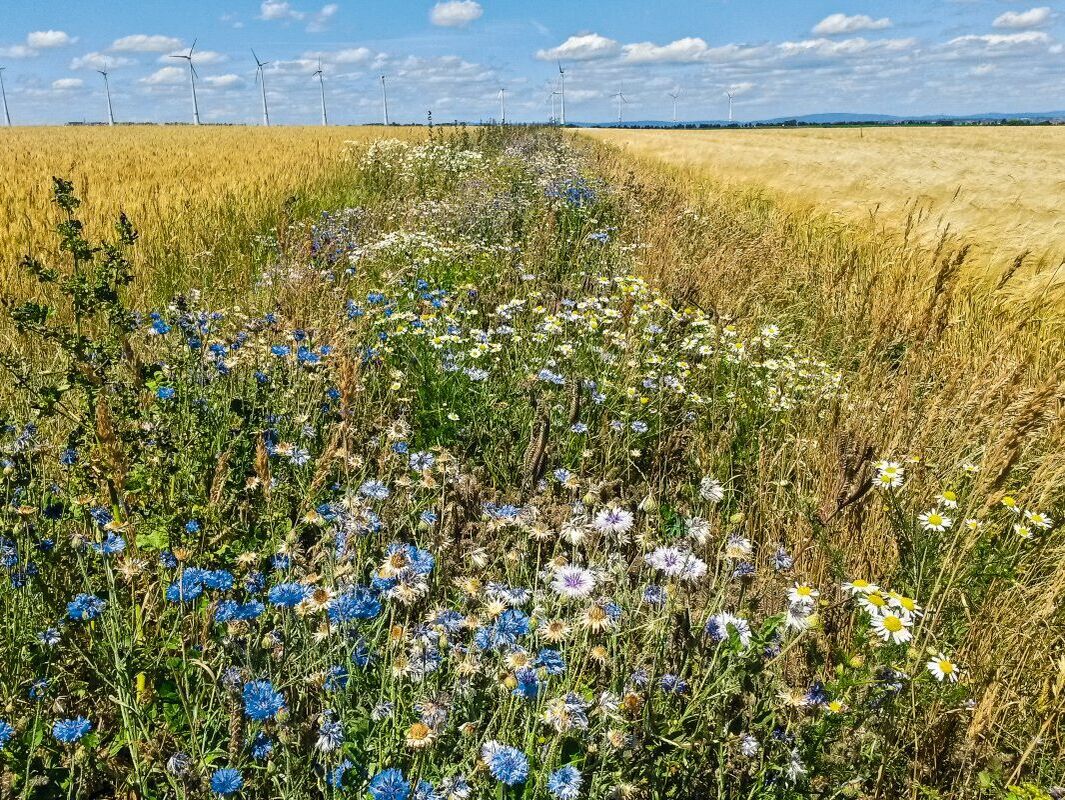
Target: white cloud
column 199, row 56
column 835, row 24
column 1002, row 40
column 146, row 43
column 64, row 84
column 17, row 51
column 223, row 81
column 100, row 61
column 1032, row 18
column 455, row 13
column 282, row 11
column 351, row 55
column 585, row 47
column 840, row 48
column 165, row 76
column 682, row 51
column 46, row 39
column 278, row 10
column 321, row 18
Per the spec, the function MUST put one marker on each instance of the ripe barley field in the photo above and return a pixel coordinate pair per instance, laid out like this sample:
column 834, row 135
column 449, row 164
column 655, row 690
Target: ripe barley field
column 998, row 188
column 198, row 195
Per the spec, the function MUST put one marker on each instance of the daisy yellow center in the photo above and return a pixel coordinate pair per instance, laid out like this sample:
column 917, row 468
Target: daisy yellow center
column 803, row 591
column 893, row 624
column 907, row 603
column 950, row 496
column 876, row 600
column 934, row 519
column 945, row 667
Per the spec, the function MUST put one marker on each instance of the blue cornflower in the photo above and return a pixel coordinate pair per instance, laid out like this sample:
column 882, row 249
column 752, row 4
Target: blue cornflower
column 359, row 603
column 69, row 731
column 49, row 637
column 262, row 701
column 85, row 607
column 429, row 517
column 672, row 684
column 219, row 579
column 390, row 785
column 6, row 732
column 507, row 764
column 112, row 544
column 192, row 526
column 166, row 393
column 374, row 490
column 232, row 611
column 288, row 595
column 280, row 350
column 565, row 783
column 421, row 461
column 528, row 684
column 335, row 776
column 226, row 781
column 654, row 595
column 330, row 733
column 551, row 661
column 261, row 747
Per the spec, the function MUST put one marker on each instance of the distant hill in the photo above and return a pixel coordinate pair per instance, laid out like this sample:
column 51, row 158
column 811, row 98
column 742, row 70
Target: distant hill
column 841, row 119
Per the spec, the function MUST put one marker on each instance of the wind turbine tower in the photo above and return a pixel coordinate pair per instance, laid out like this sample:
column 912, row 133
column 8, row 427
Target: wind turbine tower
column 562, row 92
column 384, row 99
column 260, row 78
column 675, row 94
column 107, row 91
column 321, row 85
column 622, row 100
column 730, row 96
column 3, row 93
column 192, row 83
column 502, row 106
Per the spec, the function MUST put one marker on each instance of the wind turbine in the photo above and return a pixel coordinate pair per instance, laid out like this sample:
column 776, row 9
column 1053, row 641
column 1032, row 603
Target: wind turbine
column 622, row 100
column 3, row 93
column 260, row 78
column 107, row 91
column 502, row 106
column 192, row 82
column 384, row 98
column 321, row 85
column 562, row 90
column 675, row 94
column 554, row 106
column 730, row 96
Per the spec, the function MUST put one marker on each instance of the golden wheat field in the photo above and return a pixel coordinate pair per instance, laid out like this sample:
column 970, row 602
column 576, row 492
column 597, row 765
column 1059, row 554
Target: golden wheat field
column 999, row 187
column 187, row 191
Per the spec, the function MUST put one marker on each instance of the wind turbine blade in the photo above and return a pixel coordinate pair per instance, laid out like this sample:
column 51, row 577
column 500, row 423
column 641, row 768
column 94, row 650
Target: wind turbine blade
column 192, row 48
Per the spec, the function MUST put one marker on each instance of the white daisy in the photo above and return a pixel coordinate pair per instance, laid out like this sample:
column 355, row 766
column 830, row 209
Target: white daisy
column 892, row 627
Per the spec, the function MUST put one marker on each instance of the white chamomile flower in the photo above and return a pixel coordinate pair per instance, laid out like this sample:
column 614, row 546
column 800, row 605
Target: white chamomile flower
column 948, row 499
column 802, row 594
column 1039, row 520
column 874, row 602
column 942, row 668
column 860, row 586
column 935, row 521
column 892, row 627
column 906, row 605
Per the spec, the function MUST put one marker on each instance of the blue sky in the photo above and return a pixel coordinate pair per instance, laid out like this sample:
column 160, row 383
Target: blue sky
column 778, row 57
